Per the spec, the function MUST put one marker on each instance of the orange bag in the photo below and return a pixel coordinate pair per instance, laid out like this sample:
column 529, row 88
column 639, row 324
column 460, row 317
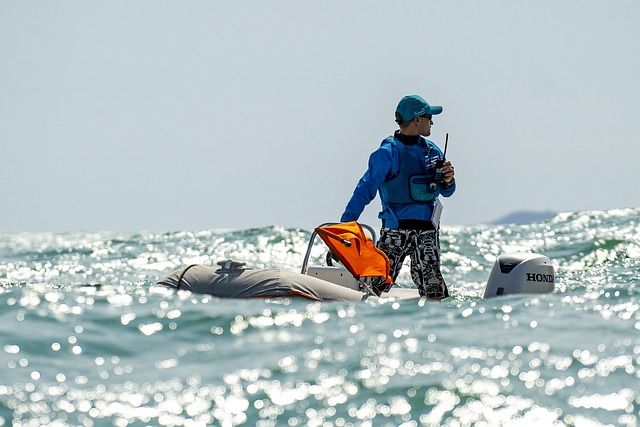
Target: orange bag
column 356, row 250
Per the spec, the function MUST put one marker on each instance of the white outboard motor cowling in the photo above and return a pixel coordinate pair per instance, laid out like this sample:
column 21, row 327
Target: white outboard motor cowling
column 520, row 273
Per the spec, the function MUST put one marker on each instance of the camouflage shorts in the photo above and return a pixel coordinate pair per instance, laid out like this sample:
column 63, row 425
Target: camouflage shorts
column 423, row 249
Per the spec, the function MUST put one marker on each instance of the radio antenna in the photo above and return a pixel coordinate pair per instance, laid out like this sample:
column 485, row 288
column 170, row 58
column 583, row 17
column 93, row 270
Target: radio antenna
column 446, row 142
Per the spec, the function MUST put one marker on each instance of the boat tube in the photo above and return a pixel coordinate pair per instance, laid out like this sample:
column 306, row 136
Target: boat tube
column 233, row 280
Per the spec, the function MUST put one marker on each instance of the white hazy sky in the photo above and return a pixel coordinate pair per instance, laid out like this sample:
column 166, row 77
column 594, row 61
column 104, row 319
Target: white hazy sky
column 154, row 115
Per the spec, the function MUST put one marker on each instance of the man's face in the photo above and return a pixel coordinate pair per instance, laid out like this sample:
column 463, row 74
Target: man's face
column 424, row 124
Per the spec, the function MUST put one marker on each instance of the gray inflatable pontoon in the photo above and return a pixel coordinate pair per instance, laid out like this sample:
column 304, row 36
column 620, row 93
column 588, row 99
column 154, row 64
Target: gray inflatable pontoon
column 318, row 283
column 232, row 280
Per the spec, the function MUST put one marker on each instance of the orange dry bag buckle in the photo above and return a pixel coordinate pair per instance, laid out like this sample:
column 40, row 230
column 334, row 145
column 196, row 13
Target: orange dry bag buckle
column 358, row 253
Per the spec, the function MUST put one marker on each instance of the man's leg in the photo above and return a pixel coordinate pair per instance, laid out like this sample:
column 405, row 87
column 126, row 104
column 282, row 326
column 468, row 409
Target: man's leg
column 394, row 244
column 425, row 265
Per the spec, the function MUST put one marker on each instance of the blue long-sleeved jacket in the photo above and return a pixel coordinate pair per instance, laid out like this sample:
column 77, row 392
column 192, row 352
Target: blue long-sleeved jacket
column 383, row 165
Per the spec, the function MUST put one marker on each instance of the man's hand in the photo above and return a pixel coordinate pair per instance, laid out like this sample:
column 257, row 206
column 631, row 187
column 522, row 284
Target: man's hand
column 447, row 172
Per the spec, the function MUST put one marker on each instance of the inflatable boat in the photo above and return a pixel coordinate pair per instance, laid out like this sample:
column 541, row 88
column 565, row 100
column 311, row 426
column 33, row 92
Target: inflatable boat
column 351, row 262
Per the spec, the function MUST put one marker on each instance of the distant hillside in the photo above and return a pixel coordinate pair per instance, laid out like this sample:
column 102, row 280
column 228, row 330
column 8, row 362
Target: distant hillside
column 523, row 217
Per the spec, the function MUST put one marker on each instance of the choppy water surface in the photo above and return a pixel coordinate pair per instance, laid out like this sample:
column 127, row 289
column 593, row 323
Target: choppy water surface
column 86, row 340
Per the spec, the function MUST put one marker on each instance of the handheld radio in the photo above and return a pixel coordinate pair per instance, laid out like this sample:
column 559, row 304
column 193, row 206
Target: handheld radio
column 440, row 162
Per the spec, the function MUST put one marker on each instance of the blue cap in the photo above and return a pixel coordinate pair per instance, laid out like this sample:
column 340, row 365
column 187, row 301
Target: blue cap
column 413, row 106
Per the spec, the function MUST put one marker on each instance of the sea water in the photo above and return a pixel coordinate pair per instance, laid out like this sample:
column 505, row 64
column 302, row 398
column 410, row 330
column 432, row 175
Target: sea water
column 87, row 340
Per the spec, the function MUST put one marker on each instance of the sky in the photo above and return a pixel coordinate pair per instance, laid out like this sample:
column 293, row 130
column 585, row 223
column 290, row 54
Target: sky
column 156, row 115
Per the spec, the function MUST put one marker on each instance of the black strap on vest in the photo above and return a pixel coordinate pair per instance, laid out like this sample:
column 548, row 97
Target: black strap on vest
column 182, row 275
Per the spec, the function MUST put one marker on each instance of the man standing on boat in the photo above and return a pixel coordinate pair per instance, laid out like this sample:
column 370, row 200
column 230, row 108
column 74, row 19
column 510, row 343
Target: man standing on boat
column 410, row 172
